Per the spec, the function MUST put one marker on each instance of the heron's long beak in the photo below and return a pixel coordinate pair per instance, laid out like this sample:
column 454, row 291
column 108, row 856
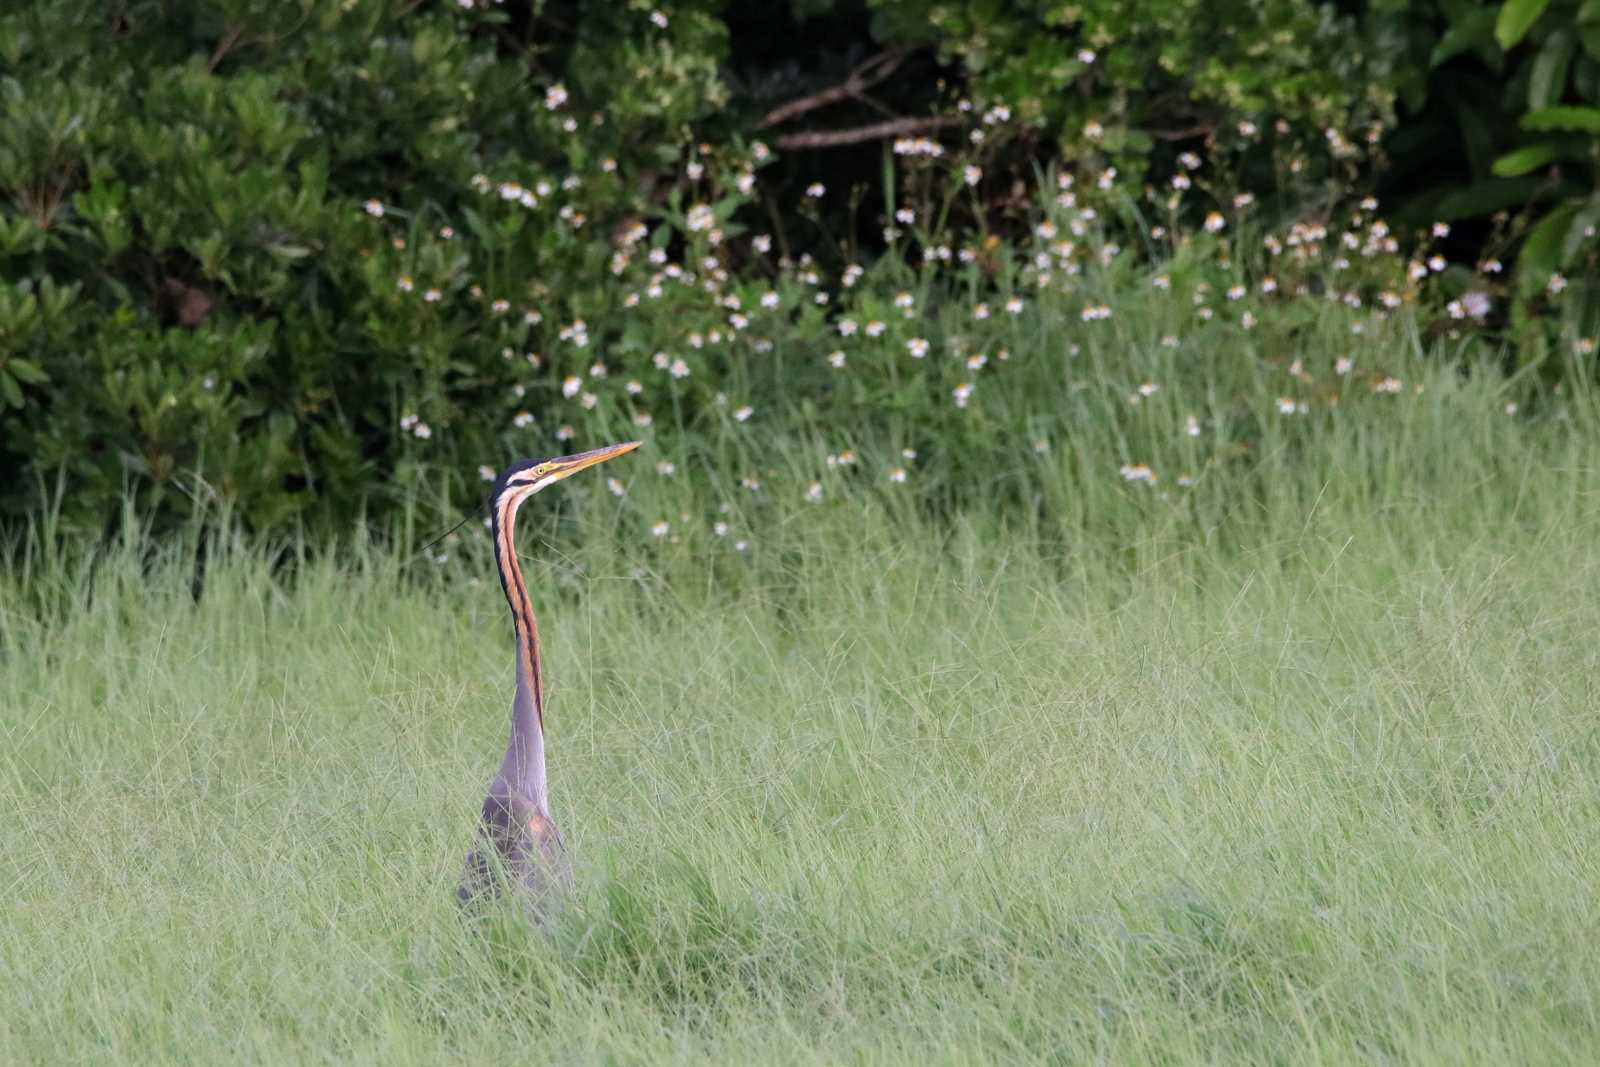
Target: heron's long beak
column 567, row 466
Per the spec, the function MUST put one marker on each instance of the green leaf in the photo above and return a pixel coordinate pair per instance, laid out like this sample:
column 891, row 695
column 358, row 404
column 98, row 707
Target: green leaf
column 480, row 227
column 1541, row 252
column 26, row 372
column 1516, row 19
column 1533, row 156
column 1488, row 196
column 1581, row 119
column 1589, row 34
column 9, row 390
column 1548, row 77
column 1524, row 159
column 1475, row 31
column 1586, row 76
column 1584, row 224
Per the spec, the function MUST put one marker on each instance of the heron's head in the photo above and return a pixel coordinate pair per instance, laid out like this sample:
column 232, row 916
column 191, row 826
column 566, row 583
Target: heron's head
column 524, row 477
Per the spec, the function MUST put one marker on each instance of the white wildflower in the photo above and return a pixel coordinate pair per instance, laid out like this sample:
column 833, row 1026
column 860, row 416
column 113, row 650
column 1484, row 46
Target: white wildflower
column 1138, row 472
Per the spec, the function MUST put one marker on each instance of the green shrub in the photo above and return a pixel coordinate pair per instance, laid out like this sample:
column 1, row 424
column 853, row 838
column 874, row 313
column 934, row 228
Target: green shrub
column 1118, row 77
column 304, row 262
column 199, row 305
column 1517, row 84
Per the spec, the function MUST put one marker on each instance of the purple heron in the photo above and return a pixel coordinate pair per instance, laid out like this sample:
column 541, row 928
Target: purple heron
column 518, row 843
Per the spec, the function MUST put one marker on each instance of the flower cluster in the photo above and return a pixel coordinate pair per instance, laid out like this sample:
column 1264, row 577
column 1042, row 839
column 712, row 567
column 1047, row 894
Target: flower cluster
column 953, row 333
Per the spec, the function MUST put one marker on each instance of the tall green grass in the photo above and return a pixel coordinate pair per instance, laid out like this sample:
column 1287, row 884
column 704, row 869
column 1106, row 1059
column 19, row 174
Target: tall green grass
column 1300, row 769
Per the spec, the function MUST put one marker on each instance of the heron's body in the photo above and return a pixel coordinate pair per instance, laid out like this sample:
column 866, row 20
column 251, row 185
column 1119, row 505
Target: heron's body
column 519, row 847
column 519, row 842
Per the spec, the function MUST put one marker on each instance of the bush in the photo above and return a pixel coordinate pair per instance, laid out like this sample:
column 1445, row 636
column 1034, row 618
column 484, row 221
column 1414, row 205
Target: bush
column 304, row 267
column 1513, row 89
column 1119, row 77
column 198, row 304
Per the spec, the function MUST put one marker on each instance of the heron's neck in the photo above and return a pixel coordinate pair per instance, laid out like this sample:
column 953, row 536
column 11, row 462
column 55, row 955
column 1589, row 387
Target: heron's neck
column 523, row 767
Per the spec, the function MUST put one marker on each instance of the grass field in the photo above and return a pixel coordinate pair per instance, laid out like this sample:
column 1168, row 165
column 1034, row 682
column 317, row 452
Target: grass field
column 1311, row 775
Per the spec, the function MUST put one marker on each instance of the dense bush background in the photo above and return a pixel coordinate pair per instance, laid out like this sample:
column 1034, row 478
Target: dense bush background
column 304, row 259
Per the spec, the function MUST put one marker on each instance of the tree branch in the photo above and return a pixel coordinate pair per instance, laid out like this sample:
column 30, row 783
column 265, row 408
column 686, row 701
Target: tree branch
column 875, row 132
column 1181, row 135
column 224, row 46
column 859, row 81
